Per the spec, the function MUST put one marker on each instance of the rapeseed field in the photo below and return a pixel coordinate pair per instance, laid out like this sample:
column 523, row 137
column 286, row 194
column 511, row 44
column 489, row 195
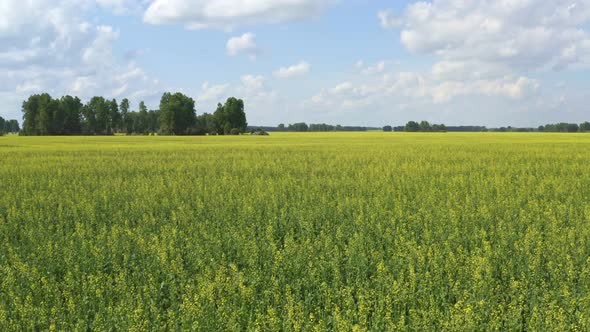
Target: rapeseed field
column 292, row 232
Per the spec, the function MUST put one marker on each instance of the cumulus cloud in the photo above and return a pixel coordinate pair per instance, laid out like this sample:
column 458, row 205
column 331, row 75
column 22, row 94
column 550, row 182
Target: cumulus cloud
column 417, row 87
column 299, row 69
column 51, row 46
column 516, row 35
column 227, row 14
column 481, row 48
column 243, row 44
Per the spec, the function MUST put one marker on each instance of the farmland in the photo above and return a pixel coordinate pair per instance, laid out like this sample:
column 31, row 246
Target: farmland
column 332, row 231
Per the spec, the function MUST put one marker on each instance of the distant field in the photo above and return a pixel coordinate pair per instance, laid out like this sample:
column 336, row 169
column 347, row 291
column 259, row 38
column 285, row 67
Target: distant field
column 331, row 231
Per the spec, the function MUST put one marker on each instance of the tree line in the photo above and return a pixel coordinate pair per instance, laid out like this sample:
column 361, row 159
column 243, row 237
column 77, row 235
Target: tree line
column 8, row 126
column 413, row 127
column 425, row 126
column 316, row 127
column 566, row 128
column 44, row 115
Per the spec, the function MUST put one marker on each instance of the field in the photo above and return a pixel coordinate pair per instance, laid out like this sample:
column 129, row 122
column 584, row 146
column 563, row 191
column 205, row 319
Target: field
column 334, row 231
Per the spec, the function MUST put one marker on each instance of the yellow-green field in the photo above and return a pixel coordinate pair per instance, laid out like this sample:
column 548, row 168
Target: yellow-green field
column 335, row 231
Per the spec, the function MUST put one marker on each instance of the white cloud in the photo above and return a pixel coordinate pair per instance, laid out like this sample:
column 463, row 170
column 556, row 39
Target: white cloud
column 33, row 86
column 519, row 35
column 468, row 70
column 51, row 46
column 230, row 13
column 211, row 92
column 259, row 99
column 243, row 44
column 389, row 20
column 252, row 82
column 253, row 89
column 341, row 88
column 299, row 69
column 378, row 68
column 421, row 88
column 100, row 51
column 121, row 7
column 507, row 87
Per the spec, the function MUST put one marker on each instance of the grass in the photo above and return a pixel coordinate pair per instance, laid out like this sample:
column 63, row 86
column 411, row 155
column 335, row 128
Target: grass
column 327, row 231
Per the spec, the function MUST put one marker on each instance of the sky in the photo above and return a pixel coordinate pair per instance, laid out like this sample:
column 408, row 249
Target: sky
column 349, row 62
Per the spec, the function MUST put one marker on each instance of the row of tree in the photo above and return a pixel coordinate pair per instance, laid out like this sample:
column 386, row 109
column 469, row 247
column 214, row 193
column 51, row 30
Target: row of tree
column 316, row 127
column 8, row 126
column 566, row 128
column 423, row 126
column 44, row 115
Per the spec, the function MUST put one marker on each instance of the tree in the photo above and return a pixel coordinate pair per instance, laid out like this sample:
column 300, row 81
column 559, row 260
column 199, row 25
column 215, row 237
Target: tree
column 13, row 126
column 439, row 128
column 124, row 123
column 44, row 115
column 321, row 127
column 30, row 111
column 58, row 119
column 177, row 114
column 236, row 114
column 38, row 114
column 71, row 107
column 97, row 112
column 425, row 126
column 299, row 127
column 205, row 124
column 42, row 125
column 8, row 126
column 281, row 127
column 143, row 119
column 115, row 116
column 572, row 128
column 412, row 126
column 230, row 115
column 387, row 129
column 585, row 127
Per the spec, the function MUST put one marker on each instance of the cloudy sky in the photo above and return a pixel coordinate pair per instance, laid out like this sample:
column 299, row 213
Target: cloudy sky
column 349, row 62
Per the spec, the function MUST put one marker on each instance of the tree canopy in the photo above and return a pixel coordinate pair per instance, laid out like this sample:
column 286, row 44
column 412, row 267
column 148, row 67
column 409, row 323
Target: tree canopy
column 230, row 116
column 44, row 115
column 177, row 114
column 8, row 126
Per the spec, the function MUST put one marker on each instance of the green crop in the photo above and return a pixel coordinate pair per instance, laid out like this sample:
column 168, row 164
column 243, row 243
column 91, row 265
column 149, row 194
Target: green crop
column 334, row 231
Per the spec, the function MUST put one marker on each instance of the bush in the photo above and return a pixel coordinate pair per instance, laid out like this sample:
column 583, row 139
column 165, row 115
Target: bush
column 234, row 131
column 260, row 132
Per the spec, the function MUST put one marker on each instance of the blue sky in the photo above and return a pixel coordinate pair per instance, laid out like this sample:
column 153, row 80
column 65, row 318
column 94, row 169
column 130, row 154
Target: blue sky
column 355, row 62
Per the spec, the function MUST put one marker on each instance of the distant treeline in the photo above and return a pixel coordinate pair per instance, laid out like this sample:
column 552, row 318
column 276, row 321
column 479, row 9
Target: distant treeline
column 549, row 128
column 566, row 128
column 8, row 126
column 313, row 127
column 44, row 115
column 424, row 126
